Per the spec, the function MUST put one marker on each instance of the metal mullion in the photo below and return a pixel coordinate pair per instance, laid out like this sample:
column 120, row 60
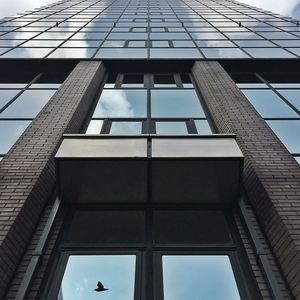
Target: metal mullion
column 278, row 94
column 21, row 92
column 178, row 81
column 191, row 127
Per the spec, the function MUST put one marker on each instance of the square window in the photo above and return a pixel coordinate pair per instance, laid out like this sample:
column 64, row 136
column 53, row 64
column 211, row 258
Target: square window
column 201, row 277
column 175, row 104
column 288, row 132
column 119, row 103
column 84, row 272
column 10, row 131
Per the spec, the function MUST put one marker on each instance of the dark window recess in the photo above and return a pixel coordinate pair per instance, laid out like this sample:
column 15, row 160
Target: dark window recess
column 133, row 79
column 164, row 79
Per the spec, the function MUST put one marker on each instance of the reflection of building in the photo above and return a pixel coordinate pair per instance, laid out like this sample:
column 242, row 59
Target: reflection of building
column 130, row 152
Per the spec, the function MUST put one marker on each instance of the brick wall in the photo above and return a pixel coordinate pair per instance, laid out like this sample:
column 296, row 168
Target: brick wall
column 271, row 175
column 27, row 173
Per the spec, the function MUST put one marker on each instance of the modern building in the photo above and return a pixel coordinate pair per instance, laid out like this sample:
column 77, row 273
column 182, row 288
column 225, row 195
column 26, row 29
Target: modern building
column 149, row 150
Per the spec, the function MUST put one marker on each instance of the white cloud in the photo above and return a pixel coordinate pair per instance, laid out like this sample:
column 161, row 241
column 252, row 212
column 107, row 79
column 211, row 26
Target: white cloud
column 283, row 7
column 12, row 7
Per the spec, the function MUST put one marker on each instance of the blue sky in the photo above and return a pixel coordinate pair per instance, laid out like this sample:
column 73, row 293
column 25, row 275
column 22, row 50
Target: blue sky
column 285, row 7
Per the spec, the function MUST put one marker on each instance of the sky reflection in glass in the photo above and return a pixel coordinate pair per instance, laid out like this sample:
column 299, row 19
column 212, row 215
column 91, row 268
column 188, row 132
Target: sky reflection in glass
column 10, row 131
column 122, row 103
column 207, row 277
column 269, row 104
column 115, row 272
column 126, row 128
column 288, row 132
column 6, row 95
column 28, row 105
column 175, row 104
column 293, row 96
column 171, row 128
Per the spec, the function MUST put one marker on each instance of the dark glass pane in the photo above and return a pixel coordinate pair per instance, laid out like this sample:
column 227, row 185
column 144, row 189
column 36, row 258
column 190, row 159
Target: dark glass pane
column 269, row 104
column 133, row 80
column 175, row 104
column 122, row 104
column 164, row 80
column 28, row 105
column 107, row 227
column 208, row 277
column 82, row 273
column 10, row 131
column 178, row 227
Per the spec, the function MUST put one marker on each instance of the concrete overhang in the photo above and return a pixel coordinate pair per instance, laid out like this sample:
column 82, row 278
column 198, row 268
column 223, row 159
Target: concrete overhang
column 130, row 169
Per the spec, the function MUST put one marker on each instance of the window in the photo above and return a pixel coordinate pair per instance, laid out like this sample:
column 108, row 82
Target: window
column 19, row 105
column 198, row 277
column 83, row 272
column 278, row 103
column 183, row 263
column 136, row 103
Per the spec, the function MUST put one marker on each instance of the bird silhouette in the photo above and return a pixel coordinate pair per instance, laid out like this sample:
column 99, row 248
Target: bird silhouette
column 100, row 287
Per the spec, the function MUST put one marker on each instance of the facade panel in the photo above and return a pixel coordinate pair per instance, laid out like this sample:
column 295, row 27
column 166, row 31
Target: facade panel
column 149, row 150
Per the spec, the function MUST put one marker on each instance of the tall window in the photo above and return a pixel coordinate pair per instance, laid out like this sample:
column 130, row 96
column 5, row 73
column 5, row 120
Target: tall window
column 149, row 103
column 142, row 253
column 279, row 104
column 20, row 103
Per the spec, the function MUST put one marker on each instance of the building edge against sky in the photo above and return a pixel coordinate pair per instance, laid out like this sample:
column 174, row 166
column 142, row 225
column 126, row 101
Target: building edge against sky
column 152, row 146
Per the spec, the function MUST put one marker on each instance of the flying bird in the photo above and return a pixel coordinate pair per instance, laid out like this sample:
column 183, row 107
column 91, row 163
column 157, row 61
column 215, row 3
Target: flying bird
column 100, row 287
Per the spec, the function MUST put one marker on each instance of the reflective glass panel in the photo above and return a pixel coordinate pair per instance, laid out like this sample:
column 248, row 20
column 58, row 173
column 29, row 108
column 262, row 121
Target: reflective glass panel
column 288, row 132
column 10, row 131
column 175, row 104
column 268, row 104
column 203, row 127
column 293, row 96
column 171, row 128
column 28, row 105
column 194, row 277
column 268, row 53
column 6, row 95
column 94, row 127
column 115, row 272
column 126, row 128
column 122, row 104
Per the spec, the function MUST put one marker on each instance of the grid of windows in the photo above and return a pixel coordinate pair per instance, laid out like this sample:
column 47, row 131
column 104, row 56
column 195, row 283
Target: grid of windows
column 149, row 103
column 149, row 29
column 137, row 253
column 19, row 105
column 279, row 104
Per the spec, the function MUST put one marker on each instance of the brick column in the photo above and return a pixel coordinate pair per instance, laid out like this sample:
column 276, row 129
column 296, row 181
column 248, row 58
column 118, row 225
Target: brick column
column 27, row 172
column 271, row 175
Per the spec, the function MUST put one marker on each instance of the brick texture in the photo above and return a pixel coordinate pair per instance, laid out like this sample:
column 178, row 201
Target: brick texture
column 27, row 173
column 271, row 175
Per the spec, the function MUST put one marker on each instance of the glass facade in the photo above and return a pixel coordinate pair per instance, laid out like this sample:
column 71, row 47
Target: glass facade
column 149, row 103
column 19, row 105
column 156, row 29
column 279, row 104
